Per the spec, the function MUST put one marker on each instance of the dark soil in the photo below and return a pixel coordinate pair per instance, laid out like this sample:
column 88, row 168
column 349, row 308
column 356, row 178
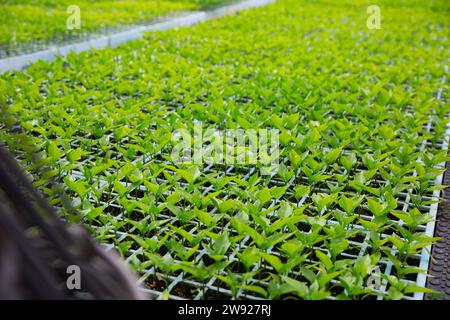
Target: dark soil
column 184, row 290
column 216, row 295
column 155, row 283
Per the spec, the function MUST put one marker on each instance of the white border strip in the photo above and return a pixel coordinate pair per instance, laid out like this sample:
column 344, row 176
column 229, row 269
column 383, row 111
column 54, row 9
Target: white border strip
column 23, row 61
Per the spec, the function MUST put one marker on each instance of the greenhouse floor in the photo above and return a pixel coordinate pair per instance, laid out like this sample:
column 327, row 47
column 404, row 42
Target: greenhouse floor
column 440, row 262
